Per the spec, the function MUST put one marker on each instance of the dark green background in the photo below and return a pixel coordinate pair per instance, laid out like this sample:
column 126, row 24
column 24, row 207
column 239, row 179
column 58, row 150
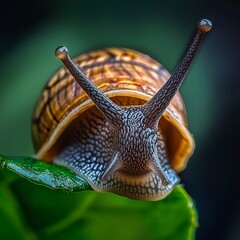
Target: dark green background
column 31, row 30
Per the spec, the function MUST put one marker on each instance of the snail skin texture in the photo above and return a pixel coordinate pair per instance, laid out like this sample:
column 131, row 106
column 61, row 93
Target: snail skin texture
column 115, row 117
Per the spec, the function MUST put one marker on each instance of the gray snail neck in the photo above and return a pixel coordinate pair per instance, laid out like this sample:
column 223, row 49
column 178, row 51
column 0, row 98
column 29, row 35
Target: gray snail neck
column 130, row 160
column 134, row 144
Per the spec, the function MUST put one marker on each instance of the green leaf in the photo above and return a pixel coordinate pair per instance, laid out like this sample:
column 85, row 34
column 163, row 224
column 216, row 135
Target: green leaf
column 110, row 216
column 45, row 174
column 92, row 215
column 89, row 214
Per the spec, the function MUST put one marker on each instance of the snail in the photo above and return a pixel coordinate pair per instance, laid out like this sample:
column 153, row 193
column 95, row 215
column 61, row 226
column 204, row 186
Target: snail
column 115, row 118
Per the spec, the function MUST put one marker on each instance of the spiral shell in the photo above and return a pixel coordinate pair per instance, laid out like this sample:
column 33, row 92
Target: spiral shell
column 128, row 78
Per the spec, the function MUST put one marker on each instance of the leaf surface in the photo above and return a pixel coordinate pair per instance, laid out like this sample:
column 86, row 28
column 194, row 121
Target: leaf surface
column 48, row 175
column 89, row 214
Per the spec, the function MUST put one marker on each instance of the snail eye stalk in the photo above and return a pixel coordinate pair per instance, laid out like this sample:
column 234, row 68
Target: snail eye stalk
column 157, row 105
column 104, row 104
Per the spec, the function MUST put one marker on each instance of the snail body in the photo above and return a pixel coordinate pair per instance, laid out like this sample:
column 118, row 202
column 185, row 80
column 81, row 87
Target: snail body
column 116, row 119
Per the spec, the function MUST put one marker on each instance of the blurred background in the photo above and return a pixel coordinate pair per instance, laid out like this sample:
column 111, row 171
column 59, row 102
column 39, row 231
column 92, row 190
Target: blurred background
column 31, row 30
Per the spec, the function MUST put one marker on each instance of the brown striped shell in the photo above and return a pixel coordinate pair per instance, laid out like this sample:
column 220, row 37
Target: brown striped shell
column 128, row 78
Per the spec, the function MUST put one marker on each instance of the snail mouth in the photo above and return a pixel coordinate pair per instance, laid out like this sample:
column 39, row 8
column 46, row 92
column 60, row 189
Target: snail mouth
column 148, row 187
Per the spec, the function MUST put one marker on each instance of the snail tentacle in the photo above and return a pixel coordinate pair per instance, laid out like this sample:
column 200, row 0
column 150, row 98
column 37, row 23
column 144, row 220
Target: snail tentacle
column 157, row 105
column 111, row 111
